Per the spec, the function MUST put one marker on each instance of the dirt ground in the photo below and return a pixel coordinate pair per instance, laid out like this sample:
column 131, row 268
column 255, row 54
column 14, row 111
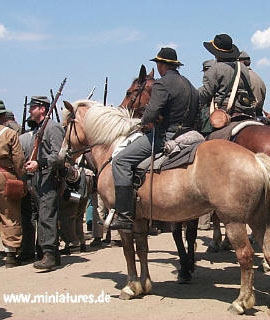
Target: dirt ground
column 102, row 273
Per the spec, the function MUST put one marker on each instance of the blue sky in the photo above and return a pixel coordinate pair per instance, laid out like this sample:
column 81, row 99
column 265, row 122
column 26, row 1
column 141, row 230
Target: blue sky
column 42, row 42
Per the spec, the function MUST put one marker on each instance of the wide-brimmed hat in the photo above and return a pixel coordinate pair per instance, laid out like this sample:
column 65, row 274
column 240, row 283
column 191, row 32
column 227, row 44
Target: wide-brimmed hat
column 39, row 101
column 222, row 47
column 208, row 64
column 167, row 55
column 2, row 107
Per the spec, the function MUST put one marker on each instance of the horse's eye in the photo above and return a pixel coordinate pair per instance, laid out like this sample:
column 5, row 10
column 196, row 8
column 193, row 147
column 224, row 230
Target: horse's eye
column 128, row 93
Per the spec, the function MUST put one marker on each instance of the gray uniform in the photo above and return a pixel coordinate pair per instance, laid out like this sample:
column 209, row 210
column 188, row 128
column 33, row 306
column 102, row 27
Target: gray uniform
column 171, row 96
column 259, row 91
column 216, row 81
column 45, row 185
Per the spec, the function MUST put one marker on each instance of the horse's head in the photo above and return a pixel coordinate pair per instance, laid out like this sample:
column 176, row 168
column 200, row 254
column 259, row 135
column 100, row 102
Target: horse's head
column 75, row 141
column 138, row 95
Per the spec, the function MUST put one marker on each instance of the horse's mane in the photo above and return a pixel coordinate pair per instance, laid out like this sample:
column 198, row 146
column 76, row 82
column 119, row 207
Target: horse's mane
column 106, row 125
column 76, row 104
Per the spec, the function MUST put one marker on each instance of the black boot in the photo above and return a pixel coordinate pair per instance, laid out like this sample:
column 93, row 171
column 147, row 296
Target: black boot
column 47, row 263
column 124, row 207
column 11, row 260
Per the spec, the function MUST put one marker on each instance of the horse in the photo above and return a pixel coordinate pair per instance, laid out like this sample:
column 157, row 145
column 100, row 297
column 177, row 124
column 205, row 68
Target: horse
column 239, row 193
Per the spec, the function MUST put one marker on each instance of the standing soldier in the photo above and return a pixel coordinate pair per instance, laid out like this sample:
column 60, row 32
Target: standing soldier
column 11, row 167
column 257, row 85
column 12, row 123
column 45, row 182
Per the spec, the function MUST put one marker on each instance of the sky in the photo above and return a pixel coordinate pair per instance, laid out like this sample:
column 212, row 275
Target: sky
column 42, row 42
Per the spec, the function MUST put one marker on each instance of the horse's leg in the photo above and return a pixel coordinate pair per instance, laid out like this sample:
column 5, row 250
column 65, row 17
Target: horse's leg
column 133, row 287
column 217, row 236
column 238, row 237
column 184, row 274
column 225, row 244
column 191, row 235
column 140, row 234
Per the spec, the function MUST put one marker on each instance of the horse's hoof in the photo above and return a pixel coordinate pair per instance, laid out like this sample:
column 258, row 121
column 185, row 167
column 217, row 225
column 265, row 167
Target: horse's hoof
column 184, row 277
column 235, row 308
column 125, row 296
column 250, row 302
column 126, row 293
column 147, row 286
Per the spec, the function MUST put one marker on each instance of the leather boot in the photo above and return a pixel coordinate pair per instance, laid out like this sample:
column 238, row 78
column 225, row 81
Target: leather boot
column 124, row 207
column 47, row 263
column 11, row 260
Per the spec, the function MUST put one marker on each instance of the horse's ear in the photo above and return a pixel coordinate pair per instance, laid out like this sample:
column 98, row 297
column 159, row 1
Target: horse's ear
column 151, row 74
column 68, row 106
column 142, row 74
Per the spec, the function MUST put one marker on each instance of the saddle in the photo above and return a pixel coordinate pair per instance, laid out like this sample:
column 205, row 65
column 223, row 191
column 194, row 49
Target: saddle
column 229, row 132
column 178, row 152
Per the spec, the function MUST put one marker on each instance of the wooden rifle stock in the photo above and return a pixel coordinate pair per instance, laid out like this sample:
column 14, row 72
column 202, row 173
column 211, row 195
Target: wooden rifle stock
column 40, row 133
column 24, row 115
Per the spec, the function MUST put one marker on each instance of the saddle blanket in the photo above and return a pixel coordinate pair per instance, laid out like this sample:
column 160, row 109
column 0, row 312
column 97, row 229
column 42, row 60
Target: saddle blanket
column 178, row 152
column 230, row 131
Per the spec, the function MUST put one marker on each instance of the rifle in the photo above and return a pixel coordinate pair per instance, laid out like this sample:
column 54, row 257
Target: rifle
column 56, row 111
column 24, row 115
column 105, row 91
column 91, row 93
column 40, row 133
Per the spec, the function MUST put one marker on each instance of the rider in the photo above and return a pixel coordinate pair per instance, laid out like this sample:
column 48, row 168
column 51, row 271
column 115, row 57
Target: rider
column 218, row 78
column 175, row 101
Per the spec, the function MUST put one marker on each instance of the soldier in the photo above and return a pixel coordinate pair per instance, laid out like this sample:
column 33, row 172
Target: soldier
column 12, row 123
column 171, row 97
column 217, row 80
column 44, row 182
column 11, row 167
column 257, row 84
column 28, row 205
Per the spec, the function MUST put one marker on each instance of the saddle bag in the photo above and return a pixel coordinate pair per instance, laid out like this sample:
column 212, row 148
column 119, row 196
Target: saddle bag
column 14, row 189
column 219, row 118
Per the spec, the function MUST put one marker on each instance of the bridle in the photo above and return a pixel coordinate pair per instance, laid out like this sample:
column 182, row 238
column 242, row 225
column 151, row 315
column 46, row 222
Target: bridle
column 72, row 123
column 138, row 93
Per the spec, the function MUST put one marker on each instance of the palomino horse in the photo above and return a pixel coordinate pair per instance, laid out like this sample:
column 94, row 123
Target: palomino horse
column 238, row 190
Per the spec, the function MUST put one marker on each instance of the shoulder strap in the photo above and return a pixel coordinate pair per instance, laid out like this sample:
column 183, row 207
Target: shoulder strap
column 229, row 88
column 235, row 86
column 3, row 130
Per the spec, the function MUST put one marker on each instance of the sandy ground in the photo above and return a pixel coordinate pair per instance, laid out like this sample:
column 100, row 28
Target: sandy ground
column 102, row 273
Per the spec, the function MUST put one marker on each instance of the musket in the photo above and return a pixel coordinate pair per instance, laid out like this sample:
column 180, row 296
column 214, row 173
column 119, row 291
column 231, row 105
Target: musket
column 40, row 133
column 24, row 115
column 105, row 91
column 91, row 93
column 55, row 109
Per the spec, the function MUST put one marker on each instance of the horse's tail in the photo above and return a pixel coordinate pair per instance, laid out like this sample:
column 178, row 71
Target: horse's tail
column 264, row 162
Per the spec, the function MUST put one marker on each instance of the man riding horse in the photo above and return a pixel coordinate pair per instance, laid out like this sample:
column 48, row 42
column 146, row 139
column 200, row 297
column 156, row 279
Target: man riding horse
column 173, row 107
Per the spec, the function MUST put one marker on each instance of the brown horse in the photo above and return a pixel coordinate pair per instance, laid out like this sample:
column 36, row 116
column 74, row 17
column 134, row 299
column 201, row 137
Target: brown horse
column 224, row 177
column 256, row 139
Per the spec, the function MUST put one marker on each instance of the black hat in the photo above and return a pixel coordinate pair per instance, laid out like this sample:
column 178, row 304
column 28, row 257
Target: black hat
column 222, row 47
column 167, row 55
column 40, row 101
column 2, row 107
